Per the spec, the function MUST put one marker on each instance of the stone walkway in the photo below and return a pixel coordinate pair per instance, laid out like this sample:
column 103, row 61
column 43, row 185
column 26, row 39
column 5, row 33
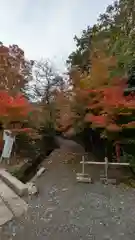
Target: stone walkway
column 11, row 205
column 65, row 209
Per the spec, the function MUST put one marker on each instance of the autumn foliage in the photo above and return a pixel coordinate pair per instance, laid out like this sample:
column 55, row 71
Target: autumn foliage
column 15, row 74
column 13, row 108
column 102, row 96
column 111, row 106
column 113, row 113
column 63, row 112
column 15, row 70
column 99, row 98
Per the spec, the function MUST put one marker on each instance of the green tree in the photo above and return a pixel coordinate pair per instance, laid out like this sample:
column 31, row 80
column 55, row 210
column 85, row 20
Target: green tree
column 81, row 57
column 114, row 32
column 119, row 23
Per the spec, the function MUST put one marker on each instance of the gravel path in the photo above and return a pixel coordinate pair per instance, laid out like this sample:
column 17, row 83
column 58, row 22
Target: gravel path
column 69, row 210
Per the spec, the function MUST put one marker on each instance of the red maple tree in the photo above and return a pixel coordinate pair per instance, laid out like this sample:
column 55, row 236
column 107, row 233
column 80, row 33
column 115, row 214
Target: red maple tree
column 107, row 109
column 13, row 108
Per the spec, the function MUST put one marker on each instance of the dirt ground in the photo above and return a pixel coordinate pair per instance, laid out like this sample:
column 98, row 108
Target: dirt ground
column 65, row 209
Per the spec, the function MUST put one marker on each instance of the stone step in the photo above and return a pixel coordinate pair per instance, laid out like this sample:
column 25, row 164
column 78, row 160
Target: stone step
column 17, row 186
column 5, row 214
column 14, row 203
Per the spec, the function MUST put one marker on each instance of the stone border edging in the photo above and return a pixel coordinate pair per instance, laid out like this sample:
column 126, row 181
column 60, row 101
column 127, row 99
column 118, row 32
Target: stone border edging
column 16, row 185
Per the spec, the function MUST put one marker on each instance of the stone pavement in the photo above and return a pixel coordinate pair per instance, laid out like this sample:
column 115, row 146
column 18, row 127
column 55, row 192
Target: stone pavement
column 11, row 205
column 65, row 209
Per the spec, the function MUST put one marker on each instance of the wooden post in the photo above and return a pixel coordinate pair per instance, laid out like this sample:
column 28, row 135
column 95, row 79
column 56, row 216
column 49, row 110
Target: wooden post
column 83, row 165
column 106, row 168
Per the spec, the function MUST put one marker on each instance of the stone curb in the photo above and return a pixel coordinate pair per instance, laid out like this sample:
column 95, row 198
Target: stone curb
column 38, row 174
column 14, row 203
column 16, row 185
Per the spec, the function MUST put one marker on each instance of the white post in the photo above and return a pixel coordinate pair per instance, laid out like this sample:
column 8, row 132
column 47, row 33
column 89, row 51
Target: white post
column 8, row 145
column 106, row 168
column 83, row 165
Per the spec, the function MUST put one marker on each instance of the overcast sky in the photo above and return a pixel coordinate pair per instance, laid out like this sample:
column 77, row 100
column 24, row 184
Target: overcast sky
column 45, row 28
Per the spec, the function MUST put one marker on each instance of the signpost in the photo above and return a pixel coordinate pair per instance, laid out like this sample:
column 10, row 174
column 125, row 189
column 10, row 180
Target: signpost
column 8, row 145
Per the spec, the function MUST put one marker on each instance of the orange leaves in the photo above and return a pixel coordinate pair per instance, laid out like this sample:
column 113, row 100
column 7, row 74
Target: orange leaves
column 64, row 114
column 113, row 99
column 28, row 131
column 102, row 121
column 14, row 69
column 19, row 106
column 102, row 96
column 3, row 50
column 107, row 105
column 113, row 127
column 100, row 73
column 14, row 108
column 98, row 121
column 110, row 98
column 92, row 91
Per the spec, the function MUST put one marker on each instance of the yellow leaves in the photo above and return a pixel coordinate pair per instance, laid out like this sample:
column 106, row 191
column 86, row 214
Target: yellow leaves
column 85, row 82
column 63, row 110
column 100, row 70
column 99, row 73
column 98, row 78
column 37, row 117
